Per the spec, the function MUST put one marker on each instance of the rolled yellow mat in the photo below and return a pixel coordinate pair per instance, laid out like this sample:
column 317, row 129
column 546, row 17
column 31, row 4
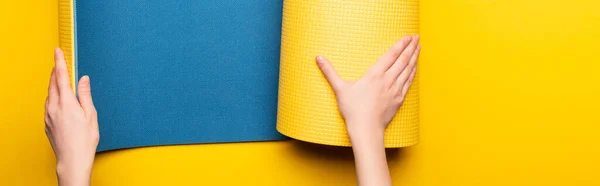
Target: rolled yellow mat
column 352, row 34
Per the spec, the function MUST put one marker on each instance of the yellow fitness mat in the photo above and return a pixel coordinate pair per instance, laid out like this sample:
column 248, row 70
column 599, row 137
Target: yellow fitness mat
column 352, row 34
column 172, row 48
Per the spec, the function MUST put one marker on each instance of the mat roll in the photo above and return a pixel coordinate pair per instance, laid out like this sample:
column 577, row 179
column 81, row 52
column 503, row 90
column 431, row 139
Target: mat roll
column 352, row 34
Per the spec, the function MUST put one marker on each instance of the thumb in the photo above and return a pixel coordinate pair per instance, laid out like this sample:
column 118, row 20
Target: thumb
column 330, row 74
column 84, row 92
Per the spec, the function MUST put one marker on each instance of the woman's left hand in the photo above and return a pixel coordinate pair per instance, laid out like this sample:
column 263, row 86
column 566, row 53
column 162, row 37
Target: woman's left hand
column 71, row 125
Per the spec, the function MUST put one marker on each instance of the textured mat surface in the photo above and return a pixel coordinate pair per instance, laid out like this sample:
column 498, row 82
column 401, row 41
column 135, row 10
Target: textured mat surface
column 66, row 35
column 178, row 72
column 352, row 34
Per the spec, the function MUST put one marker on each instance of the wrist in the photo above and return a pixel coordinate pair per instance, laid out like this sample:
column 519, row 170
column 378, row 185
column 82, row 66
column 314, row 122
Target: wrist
column 73, row 173
column 369, row 154
column 365, row 132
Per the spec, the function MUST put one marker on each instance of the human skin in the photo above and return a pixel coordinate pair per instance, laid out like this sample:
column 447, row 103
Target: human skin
column 367, row 106
column 370, row 103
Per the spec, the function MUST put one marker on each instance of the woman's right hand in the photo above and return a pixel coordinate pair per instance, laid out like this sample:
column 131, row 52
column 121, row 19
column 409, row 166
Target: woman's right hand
column 371, row 102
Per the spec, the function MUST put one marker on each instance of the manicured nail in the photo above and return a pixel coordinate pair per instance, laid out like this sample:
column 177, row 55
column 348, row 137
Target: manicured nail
column 319, row 58
column 85, row 80
column 57, row 53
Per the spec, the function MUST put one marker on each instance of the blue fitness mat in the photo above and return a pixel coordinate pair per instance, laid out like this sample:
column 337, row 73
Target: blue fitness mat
column 180, row 72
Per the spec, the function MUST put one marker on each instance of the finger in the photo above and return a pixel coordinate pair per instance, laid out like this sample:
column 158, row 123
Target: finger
column 389, row 57
column 404, row 76
column 52, row 88
column 85, row 95
column 62, row 76
column 329, row 72
column 404, row 59
column 408, row 83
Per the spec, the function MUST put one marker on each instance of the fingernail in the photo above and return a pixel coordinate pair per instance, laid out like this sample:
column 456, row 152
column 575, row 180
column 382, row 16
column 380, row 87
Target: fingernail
column 85, row 79
column 58, row 54
column 319, row 58
column 417, row 36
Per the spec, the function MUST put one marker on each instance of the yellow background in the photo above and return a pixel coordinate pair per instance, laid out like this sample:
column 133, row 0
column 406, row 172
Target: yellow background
column 509, row 96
